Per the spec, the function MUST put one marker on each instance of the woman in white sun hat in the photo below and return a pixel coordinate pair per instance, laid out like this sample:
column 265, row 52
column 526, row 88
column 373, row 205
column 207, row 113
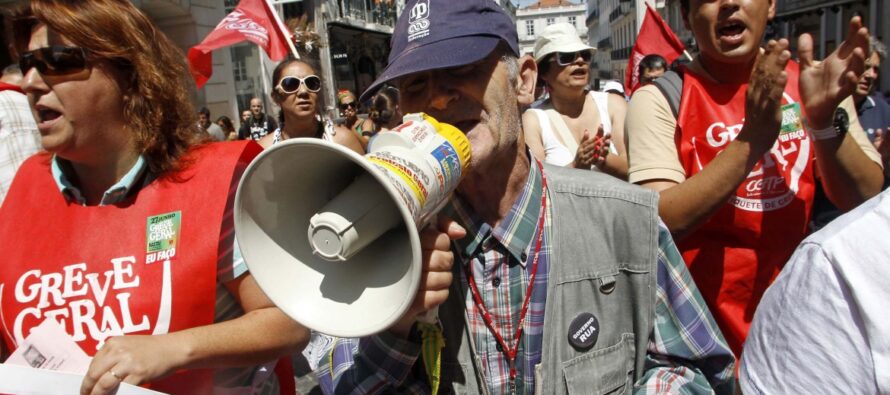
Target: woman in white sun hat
column 574, row 127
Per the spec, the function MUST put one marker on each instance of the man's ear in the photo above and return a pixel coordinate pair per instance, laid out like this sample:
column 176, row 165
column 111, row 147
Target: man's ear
column 525, row 83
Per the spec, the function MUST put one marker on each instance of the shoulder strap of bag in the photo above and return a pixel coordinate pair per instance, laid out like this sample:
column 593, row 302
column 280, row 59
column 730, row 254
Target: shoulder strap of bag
column 562, row 130
column 671, row 85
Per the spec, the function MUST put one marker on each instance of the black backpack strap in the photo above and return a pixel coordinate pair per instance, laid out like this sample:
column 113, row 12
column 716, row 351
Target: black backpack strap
column 671, row 86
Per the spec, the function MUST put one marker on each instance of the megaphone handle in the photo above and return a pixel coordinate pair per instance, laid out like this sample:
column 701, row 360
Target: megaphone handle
column 430, row 316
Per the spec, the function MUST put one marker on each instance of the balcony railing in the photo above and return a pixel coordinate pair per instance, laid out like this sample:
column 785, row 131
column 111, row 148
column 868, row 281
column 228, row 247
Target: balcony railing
column 615, row 14
column 621, row 54
column 604, row 43
column 381, row 13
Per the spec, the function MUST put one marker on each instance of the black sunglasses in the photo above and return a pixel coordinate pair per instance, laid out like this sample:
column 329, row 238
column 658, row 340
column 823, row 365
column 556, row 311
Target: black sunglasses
column 291, row 84
column 344, row 106
column 54, row 60
column 567, row 58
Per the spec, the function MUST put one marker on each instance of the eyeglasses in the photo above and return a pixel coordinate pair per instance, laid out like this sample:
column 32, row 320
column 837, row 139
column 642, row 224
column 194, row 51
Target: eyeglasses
column 344, row 106
column 55, row 60
column 567, row 58
column 291, row 84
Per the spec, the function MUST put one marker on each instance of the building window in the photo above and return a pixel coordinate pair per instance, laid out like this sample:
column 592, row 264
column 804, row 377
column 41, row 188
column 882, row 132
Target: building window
column 529, row 28
column 572, row 20
column 239, row 70
column 550, row 21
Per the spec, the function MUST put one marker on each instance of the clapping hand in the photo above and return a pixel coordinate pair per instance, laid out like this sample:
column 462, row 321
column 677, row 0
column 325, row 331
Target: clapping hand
column 763, row 99
column 592, row 151
column 882, row 144
column 823, row 85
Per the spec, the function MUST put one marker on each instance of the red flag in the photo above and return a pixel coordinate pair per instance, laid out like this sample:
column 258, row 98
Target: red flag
column 655, row 37
column 252, row 20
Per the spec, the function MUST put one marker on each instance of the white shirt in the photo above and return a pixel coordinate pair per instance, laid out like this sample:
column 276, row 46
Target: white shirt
column 824, row 326
column 19, row 138
column 555, row 152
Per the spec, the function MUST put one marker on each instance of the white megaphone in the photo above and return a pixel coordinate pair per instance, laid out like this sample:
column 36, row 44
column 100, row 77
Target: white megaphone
column 332, row 236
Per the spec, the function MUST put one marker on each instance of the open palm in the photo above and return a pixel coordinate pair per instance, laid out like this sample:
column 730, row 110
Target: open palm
column 823, row 85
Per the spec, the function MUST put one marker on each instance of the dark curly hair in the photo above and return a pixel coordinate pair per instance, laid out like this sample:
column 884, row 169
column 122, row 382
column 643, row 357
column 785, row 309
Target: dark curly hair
column 156, row 98
column 383, row 105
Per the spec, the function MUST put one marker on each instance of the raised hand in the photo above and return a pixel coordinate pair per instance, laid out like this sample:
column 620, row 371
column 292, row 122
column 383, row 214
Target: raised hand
column 823, row 85
column 763, row 101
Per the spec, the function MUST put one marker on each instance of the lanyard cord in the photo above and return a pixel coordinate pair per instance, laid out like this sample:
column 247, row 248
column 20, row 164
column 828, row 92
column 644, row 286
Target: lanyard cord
column 486, row 315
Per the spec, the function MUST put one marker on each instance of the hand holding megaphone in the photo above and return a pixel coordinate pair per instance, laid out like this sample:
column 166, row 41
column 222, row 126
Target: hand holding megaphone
column 332, row 237
column 435, row 240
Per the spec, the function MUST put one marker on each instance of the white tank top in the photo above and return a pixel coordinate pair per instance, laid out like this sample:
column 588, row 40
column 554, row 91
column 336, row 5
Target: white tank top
column 555, row 153
column 327, row 135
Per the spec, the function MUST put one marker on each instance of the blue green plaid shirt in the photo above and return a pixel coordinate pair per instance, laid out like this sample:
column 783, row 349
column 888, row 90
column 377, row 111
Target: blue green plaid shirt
column 686, row 353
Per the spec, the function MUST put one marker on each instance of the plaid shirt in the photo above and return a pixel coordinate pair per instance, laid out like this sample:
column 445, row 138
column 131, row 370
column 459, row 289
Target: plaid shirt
column 686, row 353
column 19, row 138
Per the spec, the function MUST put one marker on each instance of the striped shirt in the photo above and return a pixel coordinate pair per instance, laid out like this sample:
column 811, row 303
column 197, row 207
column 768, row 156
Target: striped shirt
column 686, row 352
column 19, row 138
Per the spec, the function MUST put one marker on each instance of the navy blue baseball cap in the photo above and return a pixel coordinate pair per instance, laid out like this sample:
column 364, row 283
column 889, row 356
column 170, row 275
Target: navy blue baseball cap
column 436, row 34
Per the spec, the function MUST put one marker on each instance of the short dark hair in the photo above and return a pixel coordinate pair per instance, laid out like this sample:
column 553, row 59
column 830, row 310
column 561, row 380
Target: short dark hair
column 204, row 111
column 652, row 62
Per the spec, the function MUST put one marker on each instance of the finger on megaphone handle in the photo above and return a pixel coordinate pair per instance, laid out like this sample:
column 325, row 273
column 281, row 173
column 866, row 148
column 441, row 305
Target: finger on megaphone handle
column 433, row 288
column 450, row 227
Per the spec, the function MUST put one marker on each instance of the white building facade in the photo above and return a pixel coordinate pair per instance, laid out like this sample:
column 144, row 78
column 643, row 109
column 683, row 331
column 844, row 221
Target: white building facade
column 532, row 19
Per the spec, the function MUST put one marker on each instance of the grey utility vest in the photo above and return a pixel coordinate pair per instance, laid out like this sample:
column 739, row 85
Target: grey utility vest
column 604, row 240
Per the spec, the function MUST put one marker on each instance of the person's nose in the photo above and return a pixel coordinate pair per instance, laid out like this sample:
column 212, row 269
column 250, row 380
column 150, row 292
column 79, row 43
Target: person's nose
column 442, row 92
column 729, row 5
column 32, row 81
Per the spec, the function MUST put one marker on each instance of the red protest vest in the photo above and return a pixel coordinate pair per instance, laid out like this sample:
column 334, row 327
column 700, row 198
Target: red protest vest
column 144, row 266
column 736, row 254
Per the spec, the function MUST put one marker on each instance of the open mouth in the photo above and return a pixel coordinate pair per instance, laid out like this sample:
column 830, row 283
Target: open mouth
column 580, row 71
column 47, row 115
column 731, row 30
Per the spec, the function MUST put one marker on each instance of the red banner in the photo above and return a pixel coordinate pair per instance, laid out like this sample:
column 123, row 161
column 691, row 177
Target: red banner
column 655, row 37
column 252, row 20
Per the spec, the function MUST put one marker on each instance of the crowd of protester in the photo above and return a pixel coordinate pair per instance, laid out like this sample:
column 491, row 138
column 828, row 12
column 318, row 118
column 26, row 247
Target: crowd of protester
column 720, row 231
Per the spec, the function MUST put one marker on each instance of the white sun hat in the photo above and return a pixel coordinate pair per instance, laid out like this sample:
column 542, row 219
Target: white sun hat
column 613, row 86
column 559, row 37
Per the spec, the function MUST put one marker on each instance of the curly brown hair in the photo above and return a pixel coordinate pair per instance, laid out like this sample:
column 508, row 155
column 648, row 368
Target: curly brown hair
column 156, row 100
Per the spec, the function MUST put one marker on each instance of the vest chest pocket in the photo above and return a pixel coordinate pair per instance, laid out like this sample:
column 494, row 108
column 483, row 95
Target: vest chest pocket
column 602, row 371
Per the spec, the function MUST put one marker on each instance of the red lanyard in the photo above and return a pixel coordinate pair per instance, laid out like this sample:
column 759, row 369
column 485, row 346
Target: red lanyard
column 486, row 316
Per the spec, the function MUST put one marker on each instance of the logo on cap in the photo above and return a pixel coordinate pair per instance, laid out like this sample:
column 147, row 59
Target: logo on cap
column 418, row 20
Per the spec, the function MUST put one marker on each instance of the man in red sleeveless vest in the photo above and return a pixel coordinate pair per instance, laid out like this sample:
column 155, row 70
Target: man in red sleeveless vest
column 735, row 168
column 122, row 232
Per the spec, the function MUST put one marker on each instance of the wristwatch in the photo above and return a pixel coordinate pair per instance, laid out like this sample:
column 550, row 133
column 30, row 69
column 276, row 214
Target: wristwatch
column 839, row 126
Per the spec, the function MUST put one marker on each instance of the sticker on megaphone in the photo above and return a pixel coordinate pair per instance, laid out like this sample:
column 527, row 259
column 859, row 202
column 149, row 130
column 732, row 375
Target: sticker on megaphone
column 423, row 159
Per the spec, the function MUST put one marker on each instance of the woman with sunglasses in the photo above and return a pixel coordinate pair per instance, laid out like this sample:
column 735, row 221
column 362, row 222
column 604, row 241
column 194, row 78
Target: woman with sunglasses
column 121, row 232
column 574, row 127
column 349, row 111
column 296, row 91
